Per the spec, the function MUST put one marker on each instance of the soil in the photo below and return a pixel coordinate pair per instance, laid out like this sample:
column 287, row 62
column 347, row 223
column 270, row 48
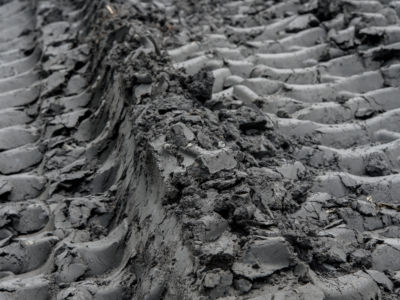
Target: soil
column 204, row 149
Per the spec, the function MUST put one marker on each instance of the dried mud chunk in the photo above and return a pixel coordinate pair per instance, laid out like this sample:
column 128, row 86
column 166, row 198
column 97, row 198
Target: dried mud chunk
column 396, row 278
column 218, row 280
column 249, row 119
column 200, row 85
column 376, row 166
column 292, row 171
column 381, row 279
column 338, row 242
column 334, row 254
column 257, row 123
column 70, row 267
column 262, row 258
column 357, row 286
column 352, row 218
column 181, row 134
column 80, row 212
column 372, row 223
column 361, row 257
column 218, row 160
column 259, row 146
column 211, row 227
column 242, row 285
column 366, row 208
column 71, row 119
column 387, row 256
column 204, row 140
column 221, row 251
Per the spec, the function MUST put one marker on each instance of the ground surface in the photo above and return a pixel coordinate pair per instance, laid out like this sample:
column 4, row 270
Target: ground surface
column 200, row 149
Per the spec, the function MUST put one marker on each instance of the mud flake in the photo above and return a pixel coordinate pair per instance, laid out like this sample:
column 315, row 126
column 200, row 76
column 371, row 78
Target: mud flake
column 262, row 258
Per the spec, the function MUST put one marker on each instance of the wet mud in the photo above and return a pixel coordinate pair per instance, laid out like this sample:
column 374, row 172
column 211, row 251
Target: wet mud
column 199, row 149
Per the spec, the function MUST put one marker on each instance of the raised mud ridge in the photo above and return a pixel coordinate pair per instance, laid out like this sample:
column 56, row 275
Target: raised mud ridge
column 199, row 149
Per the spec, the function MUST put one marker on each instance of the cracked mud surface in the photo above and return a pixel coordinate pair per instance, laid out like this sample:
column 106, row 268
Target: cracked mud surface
column 203, row 149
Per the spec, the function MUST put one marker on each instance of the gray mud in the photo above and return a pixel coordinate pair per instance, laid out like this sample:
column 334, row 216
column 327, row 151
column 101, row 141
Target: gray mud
column 199, row 150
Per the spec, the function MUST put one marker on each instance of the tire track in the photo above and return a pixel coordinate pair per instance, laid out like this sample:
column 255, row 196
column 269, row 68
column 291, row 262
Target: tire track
column 94, row 202
column 25, row 245
column 47, row 242
column 324, row 73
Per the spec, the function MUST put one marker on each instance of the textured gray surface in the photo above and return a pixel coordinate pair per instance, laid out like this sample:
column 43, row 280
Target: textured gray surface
column 199, row 149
